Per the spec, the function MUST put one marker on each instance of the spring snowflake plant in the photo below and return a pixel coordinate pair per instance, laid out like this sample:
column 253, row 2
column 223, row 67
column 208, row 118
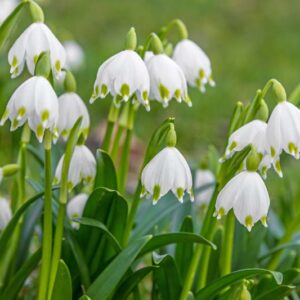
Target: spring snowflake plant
column 81, row 233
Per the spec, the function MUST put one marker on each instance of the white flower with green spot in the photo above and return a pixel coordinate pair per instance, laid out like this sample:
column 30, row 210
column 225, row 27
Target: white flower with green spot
column 195, row 64
column 82, row 167
column 75, row 208
column 5, row 213
column 167, row 80
column 71, row 107
column 168, row 170
column 252, row 133
column 35, row 40
column 247, row 194
column 34, row 101
column 123, row 75
column 283, row 130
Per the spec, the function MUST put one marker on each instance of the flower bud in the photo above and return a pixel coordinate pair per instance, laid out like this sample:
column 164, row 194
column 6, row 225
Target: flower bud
column 131, row 40
column 171, row 137
column 36, row 12
column 156, row 44
column 279, row 90
column 9, row 170
column 253, row 160
column 263, row 111
column 245, row 294
column 70, row 82
column 43, row 66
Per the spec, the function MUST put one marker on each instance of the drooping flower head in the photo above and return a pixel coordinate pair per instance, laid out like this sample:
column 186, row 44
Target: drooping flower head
column 82, row 167
column 75, row 208
column 247, row 194
column 5, row 213
column 167, row 80
column 283, row 130
column 194, row 62
column 71, row 107
column 204, row 177
column 36, row 102
column 123, row 76
column 35, row 40
column 168, row 170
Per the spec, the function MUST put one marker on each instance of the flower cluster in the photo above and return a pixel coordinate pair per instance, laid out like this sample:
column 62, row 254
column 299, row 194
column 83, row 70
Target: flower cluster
column 155, row 75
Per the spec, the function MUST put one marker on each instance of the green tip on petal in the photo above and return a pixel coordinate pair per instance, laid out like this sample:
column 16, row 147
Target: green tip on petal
column 45, row 116
column 220, row 213
column 273, row 152
column 145, row 95
column 249, row 223
column 58, row 66
column 14, row 124
column 70, row 185
column 278, row 168
column 180, row 193
column 125, row 91
column 177, row 95
column 264, row 221
column 104, row 90
column 4, row 116
column 164, row 93
column 293, row 149
column 21, row 113
column 232, row 146
column 14, row 62
column 143, row 191
column 156, row 194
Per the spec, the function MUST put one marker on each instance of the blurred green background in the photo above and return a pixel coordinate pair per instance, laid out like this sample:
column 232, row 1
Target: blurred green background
column 248, row 43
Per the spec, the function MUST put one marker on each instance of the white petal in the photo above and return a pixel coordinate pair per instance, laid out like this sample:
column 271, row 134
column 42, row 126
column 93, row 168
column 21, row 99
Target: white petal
column 5, row 213
column 204, row 177
column 75, row 208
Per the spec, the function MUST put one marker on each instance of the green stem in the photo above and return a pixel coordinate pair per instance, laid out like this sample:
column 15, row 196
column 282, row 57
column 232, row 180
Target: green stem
column 47, row 223
column 132, row 213
column 63, row 197
column 274, row 261
column 204, row 268
column 116, row 143
column 112, row 118
column 226, row 254
column 124, row 164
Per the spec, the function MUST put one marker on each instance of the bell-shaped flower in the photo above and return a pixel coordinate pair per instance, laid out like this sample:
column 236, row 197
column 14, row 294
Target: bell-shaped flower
column 247, row 194
column 252, row 133
column 123, row 75
column 7, row 6
column 36, row 102
column 71, row 107
column 5, row 213
column 74, row 55
column 283, row 130
column 195, row 64
column 267, row 162
column 168, row 170
column 75, row 208
column 167, row 80
column 35, row 40
column 204, row 179
column 82, row 167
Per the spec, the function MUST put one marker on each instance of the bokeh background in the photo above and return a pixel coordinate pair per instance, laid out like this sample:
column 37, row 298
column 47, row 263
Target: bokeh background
column 248, row 43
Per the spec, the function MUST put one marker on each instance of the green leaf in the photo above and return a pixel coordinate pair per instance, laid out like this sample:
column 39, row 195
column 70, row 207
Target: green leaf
column 165, row 239
column 166, row 277
column 36, row 155
column 184, row 251
column 85, row 297
column 214, row 288
column 106, row 172
column 128, row 285
column 9, row 229
column 9, row 23
column 102, row 227
column 111, row 209
column 15, row 284
column 278, row 293
column 62, row 289
column 108, row 280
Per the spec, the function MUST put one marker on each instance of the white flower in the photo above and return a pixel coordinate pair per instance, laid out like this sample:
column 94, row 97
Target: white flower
column 71, row 107
column 247, row 194
column 1, row 175
column 252, row 133
column 266, row 164
column 82, row 167
column 167, row 80
column 283, row 130
column 75, row 208
column 123, row 75
column 36, row 102
column 74, row 55
column 194, row 63
column 36, row 39
column 202, row 178
column 148, row 55
column 7, row 6
column 5, row 213
column 168, row 170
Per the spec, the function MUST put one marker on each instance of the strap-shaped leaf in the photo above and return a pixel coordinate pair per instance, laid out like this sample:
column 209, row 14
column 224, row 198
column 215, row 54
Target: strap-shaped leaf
column 214, row 288
column 108, row 280
column 106, row 173
column 12, row 289
column 62, row 289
